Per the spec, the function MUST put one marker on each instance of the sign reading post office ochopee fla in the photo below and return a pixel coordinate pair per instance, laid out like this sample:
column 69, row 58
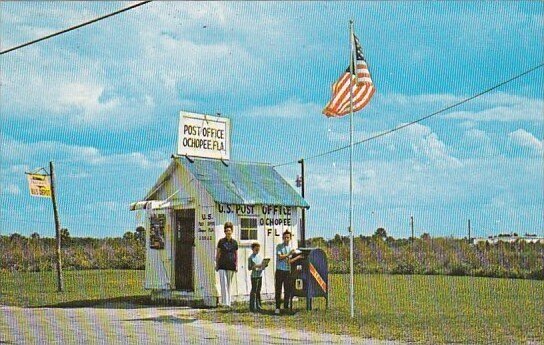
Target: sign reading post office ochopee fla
column 204, row 136
column 190, row 202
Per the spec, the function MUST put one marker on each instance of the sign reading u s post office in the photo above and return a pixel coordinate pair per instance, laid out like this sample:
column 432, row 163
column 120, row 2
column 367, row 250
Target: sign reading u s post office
column 203, row 136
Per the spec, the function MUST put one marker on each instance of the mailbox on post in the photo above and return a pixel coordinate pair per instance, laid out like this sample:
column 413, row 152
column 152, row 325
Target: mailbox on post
column 310, row 275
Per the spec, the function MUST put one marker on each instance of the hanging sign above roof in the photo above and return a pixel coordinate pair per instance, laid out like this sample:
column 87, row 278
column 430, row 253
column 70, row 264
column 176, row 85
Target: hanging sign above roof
column 203, row 136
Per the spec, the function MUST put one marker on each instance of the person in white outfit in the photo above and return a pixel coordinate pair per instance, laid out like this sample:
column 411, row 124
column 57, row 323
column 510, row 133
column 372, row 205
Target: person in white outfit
column 226, row 263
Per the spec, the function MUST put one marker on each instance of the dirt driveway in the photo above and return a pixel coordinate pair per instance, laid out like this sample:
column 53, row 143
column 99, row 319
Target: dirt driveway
column 141, row 325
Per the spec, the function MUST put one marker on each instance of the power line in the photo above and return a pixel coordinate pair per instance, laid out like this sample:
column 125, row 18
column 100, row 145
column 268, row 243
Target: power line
column 418, row 120
column 74, row 27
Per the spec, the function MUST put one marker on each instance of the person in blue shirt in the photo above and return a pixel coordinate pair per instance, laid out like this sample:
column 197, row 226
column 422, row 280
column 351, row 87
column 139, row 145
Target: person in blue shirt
column 255, row 265
column 283, row 269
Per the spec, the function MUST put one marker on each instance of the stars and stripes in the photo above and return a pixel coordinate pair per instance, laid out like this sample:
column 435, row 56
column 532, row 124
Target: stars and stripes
column 363, row 88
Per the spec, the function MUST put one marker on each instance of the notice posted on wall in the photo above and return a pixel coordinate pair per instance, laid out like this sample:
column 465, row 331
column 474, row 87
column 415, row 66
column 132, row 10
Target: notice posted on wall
column 204, row 136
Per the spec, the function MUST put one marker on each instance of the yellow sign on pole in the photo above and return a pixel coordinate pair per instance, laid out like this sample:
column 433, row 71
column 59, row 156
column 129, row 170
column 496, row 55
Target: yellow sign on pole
column 39, row 185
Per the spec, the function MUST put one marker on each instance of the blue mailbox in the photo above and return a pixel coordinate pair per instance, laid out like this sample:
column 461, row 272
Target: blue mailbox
column 310, row 275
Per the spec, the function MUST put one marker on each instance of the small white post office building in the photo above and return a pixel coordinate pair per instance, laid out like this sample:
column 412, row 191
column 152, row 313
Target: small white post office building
column 186, row 210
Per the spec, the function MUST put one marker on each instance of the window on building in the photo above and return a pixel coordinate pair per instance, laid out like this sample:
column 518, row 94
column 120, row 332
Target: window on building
column 248, row 228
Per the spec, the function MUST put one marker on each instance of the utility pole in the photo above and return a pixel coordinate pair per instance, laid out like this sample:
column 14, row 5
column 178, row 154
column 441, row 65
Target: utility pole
column 412, row 227
column 60, row 280
column 303, row 222
column 469, row 231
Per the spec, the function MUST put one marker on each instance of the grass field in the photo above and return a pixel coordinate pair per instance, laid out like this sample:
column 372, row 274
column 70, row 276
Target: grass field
column 82, row 288
column 428, row 309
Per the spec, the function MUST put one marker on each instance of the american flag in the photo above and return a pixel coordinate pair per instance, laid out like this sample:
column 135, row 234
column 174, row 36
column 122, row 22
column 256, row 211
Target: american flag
column 363, row 89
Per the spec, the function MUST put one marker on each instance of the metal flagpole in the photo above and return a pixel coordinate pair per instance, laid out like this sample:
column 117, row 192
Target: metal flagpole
column 351, row 68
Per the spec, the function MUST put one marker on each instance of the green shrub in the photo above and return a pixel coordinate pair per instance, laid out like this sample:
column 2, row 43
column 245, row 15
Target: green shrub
column 403, row 267
column 459, row 269
column 537, row 273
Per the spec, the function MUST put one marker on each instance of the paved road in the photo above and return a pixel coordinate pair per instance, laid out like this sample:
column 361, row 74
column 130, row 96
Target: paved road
column 135, row 325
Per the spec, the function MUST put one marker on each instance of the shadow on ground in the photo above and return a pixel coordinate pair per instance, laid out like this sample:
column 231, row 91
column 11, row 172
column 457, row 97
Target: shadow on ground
column 144, row 301
column 165, row 319
column 267, row 310
column 124, row 302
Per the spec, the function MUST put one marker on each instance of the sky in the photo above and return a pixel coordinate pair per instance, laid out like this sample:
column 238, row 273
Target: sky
column 103, row 103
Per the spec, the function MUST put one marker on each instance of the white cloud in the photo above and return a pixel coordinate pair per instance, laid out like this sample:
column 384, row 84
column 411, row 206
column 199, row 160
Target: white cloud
column 525, row 139
column 497, row 106
column 180, row 55
column 502, row 114
column 75, row 154
column 342, row 135
column 111, row 206
column 426, row 142
column 74, row 92
column 189, row 55
column 383, row 182
column 468, row 124
column 11, row 189
column 20, row 24
column 481, row 26
column 291, row 108
column 477, row 134
column 137, row 159
column 475, row 142
column 539, row 20
column 502, row 107
column 416, row 141
column 78, row 175
column 15, row 169
column 402, row 100
column 410, row 183
column 83, row 96
column 197, row 68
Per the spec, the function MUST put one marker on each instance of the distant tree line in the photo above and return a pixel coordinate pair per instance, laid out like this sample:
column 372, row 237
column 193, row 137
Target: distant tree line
column 378, row 253
column 35, row 254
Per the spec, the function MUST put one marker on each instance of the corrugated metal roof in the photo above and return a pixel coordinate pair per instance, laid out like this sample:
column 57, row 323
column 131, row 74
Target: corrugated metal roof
column 243, row 183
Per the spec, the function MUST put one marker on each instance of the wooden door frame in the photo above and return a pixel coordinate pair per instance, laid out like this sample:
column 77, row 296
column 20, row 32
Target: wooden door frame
column 177, row 215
